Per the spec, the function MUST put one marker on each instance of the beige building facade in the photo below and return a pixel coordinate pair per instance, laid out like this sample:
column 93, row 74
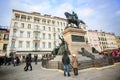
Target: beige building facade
column 33, row 32
column 111, row 41
column 93, row 39
column 101, row 40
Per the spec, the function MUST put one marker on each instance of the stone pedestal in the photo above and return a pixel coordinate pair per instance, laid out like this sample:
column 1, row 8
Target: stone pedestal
column 75, row 39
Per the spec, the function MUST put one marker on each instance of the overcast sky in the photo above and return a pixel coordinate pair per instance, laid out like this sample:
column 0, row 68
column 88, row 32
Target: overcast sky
column 97, row 14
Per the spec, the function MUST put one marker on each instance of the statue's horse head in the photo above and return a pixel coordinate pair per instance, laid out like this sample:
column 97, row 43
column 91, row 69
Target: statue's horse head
column 68, row 15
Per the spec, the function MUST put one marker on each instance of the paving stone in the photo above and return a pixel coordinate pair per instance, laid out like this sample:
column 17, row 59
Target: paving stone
column 39, row 73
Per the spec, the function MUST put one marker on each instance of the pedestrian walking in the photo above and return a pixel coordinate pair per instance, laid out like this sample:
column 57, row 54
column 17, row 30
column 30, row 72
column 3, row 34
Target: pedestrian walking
column 36, row 59
column 28, row 62
column 15, row 62
column 66, row 63
column 75, row 64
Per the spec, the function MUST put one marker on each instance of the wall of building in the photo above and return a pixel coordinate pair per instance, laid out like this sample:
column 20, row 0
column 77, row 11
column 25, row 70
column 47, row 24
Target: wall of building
column 4, row 37
column 28, row 31
column 93, row 40
column 117, row 38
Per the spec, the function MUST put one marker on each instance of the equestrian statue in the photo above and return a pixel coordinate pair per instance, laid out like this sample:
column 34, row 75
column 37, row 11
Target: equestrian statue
column 73, row 18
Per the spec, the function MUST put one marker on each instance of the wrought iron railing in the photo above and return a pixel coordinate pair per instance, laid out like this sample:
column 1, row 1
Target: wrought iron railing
column 83, row 64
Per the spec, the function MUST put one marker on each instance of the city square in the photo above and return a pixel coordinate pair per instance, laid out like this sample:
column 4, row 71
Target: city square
column 54, row 40
column 40, row 73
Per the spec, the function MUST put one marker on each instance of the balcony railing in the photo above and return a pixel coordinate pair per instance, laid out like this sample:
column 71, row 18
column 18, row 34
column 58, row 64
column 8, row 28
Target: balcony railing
column 14, row 37
column 15, row 27
column 38, row 30
column 36, row 38
column 12, row 48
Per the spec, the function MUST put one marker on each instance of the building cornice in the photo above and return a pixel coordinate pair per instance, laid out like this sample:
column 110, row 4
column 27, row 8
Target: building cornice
column 39, row 15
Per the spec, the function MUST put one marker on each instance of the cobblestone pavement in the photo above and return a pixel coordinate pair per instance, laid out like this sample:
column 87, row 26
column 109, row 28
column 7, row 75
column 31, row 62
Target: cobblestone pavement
column 38, row 73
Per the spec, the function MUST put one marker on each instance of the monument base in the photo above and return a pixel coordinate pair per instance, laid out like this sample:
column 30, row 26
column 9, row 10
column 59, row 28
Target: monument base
column 76, row 40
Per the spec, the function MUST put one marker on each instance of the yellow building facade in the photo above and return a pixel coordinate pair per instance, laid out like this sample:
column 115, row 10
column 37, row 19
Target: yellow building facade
column 118, row 41
column 4, row 37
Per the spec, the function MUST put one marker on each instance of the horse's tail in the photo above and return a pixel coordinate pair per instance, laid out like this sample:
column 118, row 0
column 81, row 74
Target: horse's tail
column 82, row 22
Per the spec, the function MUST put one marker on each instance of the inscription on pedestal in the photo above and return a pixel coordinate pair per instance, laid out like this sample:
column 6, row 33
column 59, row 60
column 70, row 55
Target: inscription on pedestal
column 76, row 38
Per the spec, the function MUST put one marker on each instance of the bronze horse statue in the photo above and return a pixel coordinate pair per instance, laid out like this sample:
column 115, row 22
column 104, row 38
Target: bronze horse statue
column 73, row 18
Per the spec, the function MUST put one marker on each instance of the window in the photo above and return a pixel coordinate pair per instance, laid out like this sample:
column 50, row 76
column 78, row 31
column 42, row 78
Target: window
column 4, row 47
column 49, row 28
column 21, row 33
column 53, row 29
column 61, row 23
column 64, row 24
column 49, row 45
column 49, row 36
column 29, row 17
column 44, row 21
column 58, row 23
column 36, row 45
column 43, row 27
column 36, row 27
column 48, row 21
column 53, row 22
column 22, row 25
column 27, row 44
column 61, row 30
column 14, row 33
column 43, row 44
column 29, row 26
column 20, row 44
column 54, row 34
column 12, row 44
column 6, row 36
column 17, row 16
column 15, row 24
column 28, row 34
column 43, row 35
column 58, row 30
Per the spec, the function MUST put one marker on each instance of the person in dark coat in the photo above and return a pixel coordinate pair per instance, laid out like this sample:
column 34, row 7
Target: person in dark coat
column 35, row 59
column 28, row 62
column 66, row 63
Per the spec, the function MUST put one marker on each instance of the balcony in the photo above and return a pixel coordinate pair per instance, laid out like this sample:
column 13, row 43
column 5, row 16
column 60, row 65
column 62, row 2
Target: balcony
column 15, row 28
column 36, row 38
column 12, row 48
column 36, row 49
column 14, row 37
column 36, row 30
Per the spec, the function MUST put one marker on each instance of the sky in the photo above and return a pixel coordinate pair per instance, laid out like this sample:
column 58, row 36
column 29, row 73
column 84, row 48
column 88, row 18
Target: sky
column 97, row 14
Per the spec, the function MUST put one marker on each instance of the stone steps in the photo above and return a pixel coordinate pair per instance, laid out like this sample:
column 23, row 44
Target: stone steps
column 80, row 58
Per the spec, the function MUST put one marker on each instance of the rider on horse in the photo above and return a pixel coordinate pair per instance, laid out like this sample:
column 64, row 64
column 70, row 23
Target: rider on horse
column 75, row 17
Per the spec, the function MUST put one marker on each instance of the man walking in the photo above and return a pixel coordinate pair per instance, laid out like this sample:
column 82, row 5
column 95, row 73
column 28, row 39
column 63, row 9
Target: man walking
column 28, row 62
